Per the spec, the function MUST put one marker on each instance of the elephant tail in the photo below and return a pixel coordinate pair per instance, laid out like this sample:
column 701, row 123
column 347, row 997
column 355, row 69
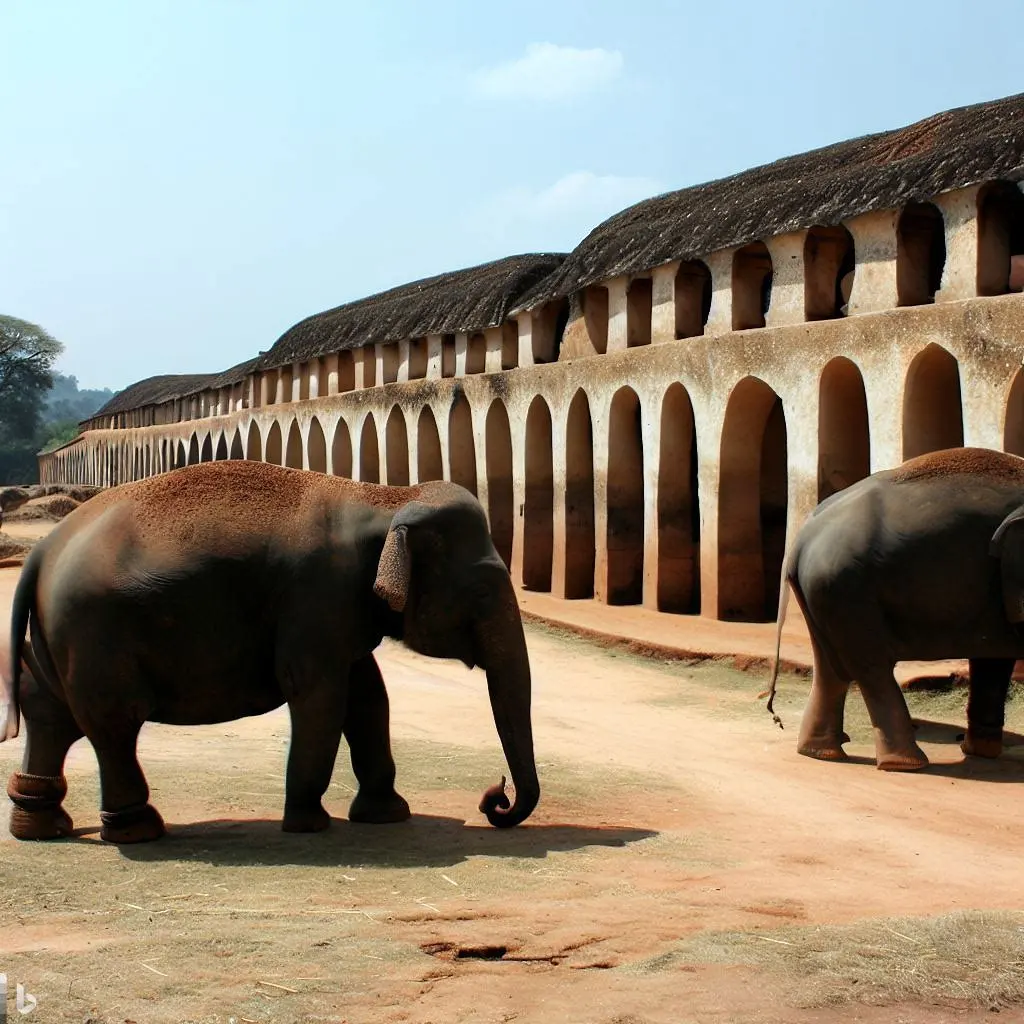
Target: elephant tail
column 24, row 603
column 780, row 619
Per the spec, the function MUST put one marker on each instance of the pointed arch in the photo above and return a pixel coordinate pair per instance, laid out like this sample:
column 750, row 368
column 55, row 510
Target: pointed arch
column 461, row 445
column 275, row 445
column 625, row 500
column 753, row 503
column 396, row 441
column 341, row 451
column 678, row 506
column 369, row 452
column 500, row 496
column 844, row 441
column 429, row 465
column 580, row 547
column 538, row 511
column 254, row 443
column 933, row 416
column 193, row 450
column 317, row 447
column 222, row 448
column 293, row 451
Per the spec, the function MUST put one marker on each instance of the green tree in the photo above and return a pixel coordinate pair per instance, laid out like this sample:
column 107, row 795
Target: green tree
column 27, row 354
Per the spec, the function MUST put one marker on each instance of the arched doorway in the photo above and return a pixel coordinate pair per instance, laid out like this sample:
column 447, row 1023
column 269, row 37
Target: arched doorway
column 317, row 447
column 1013, row 426
column 829, row 268
column 293, row 453
column 236, row 446
column 538, row 512
column 428, row 448
column 579, row 499
column 500, row 497
column 844, row 439
column 920, row 254
column 254, row 444
column 341, row 451
column 275, row 446
column 1000, row 239
column 461, row 446
column 369, row 453
column 222, row 448
column 751, row 286
column 625, row 500
column 397, row 443
column 753, row 503
column 932, row 411
column 206, row 453
column 678, row 507
column 193, row 450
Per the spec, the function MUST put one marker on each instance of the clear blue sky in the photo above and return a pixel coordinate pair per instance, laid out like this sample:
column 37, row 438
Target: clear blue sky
column 182, row 181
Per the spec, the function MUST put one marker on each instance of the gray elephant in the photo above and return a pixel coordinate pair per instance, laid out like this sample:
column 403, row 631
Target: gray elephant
column 225, row 589
column 923, row 562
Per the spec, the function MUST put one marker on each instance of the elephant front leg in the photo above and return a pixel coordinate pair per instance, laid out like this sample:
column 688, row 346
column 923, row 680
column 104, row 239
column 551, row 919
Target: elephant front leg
column 986, row 706
column 367, row 730
column 821, row 730
column 317, row 718
column 896, row 748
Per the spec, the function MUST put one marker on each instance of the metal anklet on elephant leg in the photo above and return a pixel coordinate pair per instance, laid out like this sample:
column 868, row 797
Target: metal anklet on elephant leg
column 37, row 812
column 138, row 824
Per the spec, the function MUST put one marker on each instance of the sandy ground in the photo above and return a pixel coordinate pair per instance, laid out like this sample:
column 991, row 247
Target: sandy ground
column 684, row 865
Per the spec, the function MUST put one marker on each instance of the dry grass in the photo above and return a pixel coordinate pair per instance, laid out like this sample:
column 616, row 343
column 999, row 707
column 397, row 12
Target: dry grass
column 968, row 957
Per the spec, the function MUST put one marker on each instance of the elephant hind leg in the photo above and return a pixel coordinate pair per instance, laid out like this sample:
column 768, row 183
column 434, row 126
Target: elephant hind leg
column 986, row 706
column 38, row 790
column 126, row 813
column 821, row 730
column 896, row 748
column 368, row 733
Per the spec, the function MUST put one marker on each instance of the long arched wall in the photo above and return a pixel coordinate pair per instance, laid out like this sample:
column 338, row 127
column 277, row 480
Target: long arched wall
column 831, row 399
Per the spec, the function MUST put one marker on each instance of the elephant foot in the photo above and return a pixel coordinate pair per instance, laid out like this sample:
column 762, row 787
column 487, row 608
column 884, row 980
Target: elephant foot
column 823, row 748
column 379, row 810
column 902, row 761
column 37, row 812
column 140, row 824
column 305, row 819
column 982, row 746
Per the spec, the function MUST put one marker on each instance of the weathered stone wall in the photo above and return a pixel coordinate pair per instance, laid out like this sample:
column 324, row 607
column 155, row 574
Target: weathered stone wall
column 665, row 473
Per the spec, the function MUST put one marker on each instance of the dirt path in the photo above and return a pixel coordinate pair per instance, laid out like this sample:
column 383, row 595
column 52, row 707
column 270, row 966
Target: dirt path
column 684, row 864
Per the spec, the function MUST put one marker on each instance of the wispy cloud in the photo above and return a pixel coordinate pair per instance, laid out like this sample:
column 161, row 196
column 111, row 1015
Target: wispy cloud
column 558, row 216
column 550, row 72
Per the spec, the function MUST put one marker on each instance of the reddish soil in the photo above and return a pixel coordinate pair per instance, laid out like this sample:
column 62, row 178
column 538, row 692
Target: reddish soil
column 672, row 810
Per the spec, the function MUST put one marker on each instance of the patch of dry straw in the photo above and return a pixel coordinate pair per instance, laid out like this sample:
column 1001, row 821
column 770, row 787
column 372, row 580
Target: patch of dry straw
column 968, row 957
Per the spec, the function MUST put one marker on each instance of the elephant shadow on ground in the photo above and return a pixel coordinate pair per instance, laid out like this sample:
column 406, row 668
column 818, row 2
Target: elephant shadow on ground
column 1009, row 767
column 423, row 841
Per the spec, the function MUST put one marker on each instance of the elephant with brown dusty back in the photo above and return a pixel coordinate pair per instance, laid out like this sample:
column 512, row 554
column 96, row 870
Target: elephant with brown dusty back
column 225, row 589
column 924, row 562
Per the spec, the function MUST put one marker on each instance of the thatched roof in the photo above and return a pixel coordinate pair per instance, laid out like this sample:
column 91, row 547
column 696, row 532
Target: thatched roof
column 464, row 300
column 823, row 187
column 166, row 388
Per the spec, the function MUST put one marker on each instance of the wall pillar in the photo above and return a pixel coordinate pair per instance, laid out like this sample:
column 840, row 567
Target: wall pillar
column 720, row 315
column 874, row 283
column 960, row 216
column 618, row 288
column 493, row 339
column 331, row 362
column 296, row 394
column 313, row 369
column 789, row 279
column 435, row 356
column 403, row 361
column 525, row 327
column 663, row 303
column 461, row 350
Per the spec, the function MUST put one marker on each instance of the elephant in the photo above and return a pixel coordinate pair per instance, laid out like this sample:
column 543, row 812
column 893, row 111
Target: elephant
column 226, row 589
column 922, row 562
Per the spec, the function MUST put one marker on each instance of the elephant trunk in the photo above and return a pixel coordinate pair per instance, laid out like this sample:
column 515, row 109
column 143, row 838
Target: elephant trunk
column 503, row 652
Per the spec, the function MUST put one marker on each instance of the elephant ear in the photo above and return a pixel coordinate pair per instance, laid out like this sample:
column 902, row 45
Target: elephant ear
column 1008, row 546
column 394, row 570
